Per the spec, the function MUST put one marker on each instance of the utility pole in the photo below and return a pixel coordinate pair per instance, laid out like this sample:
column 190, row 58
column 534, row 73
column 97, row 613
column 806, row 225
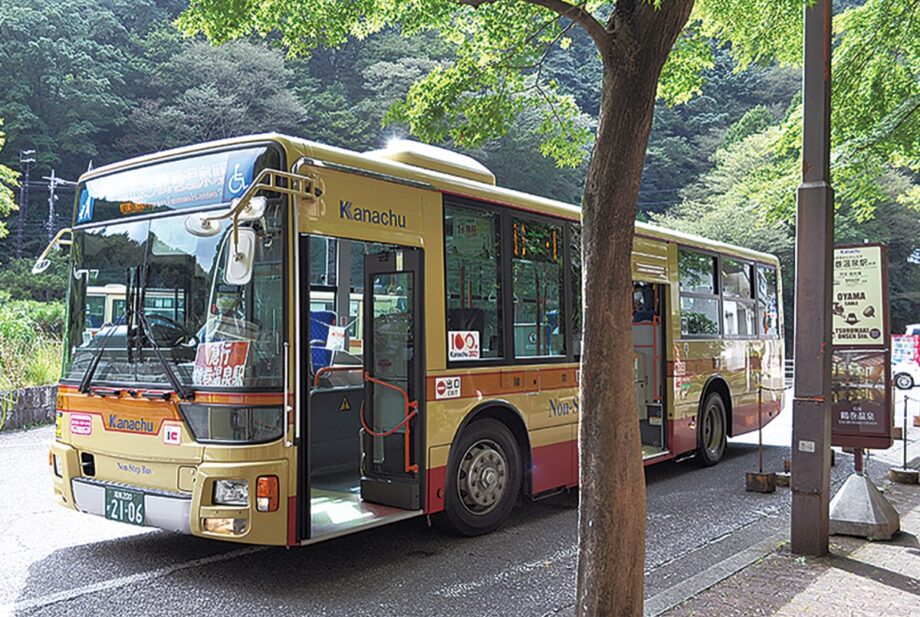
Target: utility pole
column 26, row 158
column 811, row 407
column 53, row 183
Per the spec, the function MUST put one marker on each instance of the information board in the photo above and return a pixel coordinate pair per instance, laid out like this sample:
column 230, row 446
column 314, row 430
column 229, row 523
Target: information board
column 861, row 365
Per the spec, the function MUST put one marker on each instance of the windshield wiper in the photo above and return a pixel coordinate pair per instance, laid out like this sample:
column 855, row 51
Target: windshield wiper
column 174, row 380
column 91, row 369
column 87, row 378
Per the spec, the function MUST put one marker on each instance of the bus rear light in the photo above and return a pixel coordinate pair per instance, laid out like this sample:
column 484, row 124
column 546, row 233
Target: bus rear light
column 58, row 465
column 267, row 494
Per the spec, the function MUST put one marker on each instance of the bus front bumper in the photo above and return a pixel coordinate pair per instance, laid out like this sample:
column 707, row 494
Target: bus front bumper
column 169, row 511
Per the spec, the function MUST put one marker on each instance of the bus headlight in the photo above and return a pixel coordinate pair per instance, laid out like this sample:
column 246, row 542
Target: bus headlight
column 231, row 493
column 232, row 424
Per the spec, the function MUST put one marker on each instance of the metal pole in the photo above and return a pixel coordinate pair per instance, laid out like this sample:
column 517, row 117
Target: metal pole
column 760, row 428
column 811, row 418
column 49, row 224
column 904, row 434
column 26, row 158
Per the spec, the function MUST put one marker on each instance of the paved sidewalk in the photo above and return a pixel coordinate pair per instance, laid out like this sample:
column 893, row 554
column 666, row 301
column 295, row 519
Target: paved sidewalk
column 859, row 578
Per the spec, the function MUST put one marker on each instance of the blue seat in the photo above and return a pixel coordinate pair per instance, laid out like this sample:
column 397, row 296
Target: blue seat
column 319, row 334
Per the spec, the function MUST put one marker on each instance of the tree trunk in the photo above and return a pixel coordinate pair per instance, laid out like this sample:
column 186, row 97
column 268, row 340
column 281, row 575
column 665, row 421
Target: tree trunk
column 612, row 498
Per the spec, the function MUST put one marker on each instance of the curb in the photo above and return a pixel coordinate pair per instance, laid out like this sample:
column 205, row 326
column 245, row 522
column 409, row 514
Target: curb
column 698, row 583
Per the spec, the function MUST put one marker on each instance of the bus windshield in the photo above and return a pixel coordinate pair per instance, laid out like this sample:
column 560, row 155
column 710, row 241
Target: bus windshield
column 141, row 287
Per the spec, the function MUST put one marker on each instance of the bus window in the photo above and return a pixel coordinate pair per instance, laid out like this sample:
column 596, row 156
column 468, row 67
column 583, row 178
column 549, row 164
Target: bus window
column 471, row 249
column 737, row 297
column 699, row 300
column 537, row 284
column 767, row 301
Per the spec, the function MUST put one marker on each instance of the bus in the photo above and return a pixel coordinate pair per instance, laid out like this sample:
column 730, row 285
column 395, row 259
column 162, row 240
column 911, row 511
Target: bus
column 297, row 342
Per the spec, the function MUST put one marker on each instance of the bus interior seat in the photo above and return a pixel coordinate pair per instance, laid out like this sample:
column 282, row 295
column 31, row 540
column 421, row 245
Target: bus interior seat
column 319, row 333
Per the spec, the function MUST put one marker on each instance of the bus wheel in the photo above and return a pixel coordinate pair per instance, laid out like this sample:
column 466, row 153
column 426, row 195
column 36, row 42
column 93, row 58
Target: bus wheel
column 483, row 478
column 711, row 431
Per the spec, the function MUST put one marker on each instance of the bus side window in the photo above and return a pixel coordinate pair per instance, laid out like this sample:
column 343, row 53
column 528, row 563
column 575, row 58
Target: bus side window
column 473, row 283
column 699, row 294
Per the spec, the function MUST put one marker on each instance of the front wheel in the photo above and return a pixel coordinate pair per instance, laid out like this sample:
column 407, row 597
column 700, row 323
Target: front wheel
column 903, row 381
column 711, row 431
column 483, row 478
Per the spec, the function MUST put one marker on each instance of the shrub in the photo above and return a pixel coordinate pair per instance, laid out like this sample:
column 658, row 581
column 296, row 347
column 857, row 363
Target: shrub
column 30, row 343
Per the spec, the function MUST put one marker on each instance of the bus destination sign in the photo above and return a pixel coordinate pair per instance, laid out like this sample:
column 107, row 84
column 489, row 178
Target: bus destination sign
column 205, row 180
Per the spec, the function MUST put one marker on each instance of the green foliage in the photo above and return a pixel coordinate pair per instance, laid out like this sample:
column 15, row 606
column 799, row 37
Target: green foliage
column 205, row 93
column 9, row 179
column 753, row 121
column 18, row 282
column 30, row 343
column 495, row 74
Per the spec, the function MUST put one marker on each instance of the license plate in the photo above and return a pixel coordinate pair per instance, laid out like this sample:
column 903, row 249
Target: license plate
column 124, row 505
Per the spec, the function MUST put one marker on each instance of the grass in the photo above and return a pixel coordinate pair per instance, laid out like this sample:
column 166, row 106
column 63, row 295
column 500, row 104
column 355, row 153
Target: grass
column 30, row 343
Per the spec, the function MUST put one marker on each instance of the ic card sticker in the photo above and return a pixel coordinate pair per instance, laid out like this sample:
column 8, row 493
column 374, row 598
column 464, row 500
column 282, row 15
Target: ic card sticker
column 172, row 434
column 81, row 424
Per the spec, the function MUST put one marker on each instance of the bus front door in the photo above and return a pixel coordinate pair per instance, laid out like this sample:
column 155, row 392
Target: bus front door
column 394, row 371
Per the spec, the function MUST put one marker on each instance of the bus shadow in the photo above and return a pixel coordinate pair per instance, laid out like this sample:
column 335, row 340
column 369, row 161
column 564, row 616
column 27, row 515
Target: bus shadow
column 315, row 573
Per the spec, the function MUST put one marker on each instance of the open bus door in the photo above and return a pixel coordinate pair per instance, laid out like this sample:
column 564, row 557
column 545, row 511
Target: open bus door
column 394, row 373
column 361, row 427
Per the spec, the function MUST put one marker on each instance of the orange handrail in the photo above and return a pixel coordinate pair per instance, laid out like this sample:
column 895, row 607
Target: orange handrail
column 411, row 410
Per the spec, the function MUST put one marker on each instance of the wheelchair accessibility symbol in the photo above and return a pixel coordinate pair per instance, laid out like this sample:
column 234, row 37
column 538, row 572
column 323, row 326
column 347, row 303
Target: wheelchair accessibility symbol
column 237, row 182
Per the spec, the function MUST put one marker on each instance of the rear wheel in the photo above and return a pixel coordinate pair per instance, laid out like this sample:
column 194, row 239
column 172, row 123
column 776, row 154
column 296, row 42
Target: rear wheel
column 483, row 478
column 903, row 381
column 711, row 431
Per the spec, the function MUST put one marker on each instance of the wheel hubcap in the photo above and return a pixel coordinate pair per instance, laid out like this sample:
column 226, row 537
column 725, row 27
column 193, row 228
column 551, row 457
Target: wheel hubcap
column 712, row 430
column 482, row 477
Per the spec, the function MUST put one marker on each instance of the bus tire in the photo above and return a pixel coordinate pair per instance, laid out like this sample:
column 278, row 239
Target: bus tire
column 711, row 431
column 483, row 478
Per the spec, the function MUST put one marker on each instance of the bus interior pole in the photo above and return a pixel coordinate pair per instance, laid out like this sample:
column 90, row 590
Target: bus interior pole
column 811, row 418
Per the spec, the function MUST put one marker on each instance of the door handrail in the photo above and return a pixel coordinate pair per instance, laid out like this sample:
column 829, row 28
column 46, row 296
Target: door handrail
column 411, row 410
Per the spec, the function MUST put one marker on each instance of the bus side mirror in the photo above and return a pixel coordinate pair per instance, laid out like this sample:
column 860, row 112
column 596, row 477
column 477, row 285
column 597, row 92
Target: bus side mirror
column 43, row 263
column 240, row 255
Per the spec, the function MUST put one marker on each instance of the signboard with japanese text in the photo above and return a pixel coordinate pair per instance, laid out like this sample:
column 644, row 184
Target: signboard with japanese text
column 861, row 363
column 859, row 311
column 221, row 364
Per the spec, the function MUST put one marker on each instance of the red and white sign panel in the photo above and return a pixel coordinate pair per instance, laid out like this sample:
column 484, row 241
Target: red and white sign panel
column 221, row 364
column 172, row 434
column 463, row 345
column 81, row 424
column 447, row 387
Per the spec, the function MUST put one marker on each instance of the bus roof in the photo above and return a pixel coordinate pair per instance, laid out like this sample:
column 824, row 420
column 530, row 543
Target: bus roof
column 436, row 176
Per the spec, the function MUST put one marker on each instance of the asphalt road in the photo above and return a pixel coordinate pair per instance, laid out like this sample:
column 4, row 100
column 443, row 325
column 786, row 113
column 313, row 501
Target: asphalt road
column 57, row 562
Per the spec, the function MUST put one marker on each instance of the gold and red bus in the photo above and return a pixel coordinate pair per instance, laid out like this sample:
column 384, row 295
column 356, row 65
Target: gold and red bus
column 277, row 342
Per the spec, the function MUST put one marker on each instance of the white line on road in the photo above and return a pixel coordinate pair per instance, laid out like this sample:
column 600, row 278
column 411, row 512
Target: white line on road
column 459, row 590
column 70, row 594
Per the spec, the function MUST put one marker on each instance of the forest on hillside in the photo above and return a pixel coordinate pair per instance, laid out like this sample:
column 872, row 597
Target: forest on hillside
column 87, row 82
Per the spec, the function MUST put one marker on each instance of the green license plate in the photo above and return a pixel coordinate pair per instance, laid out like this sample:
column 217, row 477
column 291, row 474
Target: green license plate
column 124, row 505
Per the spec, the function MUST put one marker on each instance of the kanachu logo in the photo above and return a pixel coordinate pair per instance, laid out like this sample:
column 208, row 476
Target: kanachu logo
column 388, row 218
column 130, row 424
